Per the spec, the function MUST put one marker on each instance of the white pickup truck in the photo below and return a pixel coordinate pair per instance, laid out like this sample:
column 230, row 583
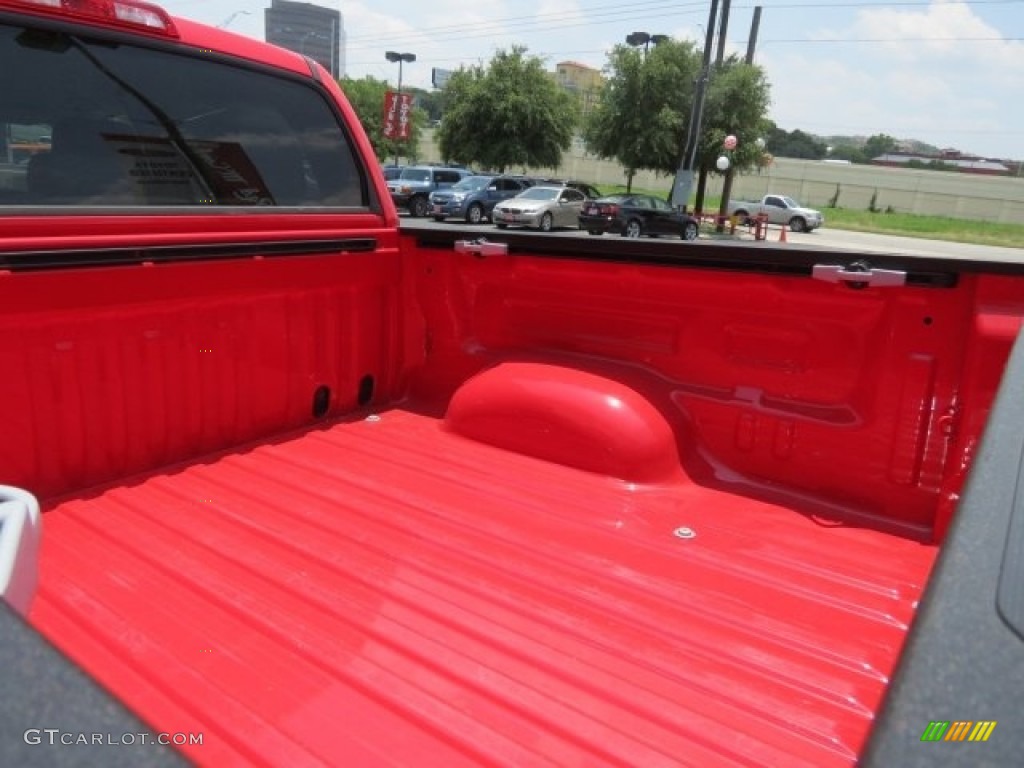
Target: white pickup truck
column 780, row 210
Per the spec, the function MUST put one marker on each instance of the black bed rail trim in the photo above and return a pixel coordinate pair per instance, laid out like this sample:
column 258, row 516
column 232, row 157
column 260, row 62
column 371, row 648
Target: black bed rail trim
column 30, row 261
column 922, row 271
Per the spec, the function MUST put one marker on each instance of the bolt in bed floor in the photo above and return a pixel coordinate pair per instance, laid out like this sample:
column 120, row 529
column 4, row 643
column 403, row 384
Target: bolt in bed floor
column 381, row 591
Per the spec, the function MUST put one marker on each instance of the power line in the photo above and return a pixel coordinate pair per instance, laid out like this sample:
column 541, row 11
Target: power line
column 609, row 14
column 879, row 4
column 630, row 11
column 833, row 40
column 618, row 12
column 775, row 41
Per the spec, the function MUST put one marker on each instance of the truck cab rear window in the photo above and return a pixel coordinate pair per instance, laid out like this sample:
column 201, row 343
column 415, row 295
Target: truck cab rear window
column 91, row 123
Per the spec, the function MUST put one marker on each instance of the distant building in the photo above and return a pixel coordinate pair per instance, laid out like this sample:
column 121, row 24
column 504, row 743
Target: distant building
column 950, row 160
column 439, row 77
column 582, row 81
column 309, row 29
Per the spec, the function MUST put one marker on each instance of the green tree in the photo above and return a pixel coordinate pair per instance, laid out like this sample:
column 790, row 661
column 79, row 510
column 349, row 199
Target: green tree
column 644, row 113
column 431, row 102
column 509, row 113
column 879, row 144
column 367, row 98
column 795, row 144
column 641, row 116
column 737, row 101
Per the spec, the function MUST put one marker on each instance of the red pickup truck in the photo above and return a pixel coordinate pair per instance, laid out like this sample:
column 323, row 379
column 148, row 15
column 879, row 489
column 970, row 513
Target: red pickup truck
column 317, row 489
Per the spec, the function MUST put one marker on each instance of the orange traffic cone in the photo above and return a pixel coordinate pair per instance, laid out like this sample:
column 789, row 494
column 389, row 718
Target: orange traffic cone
column 782, row 234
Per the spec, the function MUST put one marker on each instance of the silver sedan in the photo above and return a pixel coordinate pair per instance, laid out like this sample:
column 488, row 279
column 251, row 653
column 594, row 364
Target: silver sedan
column 540, row 207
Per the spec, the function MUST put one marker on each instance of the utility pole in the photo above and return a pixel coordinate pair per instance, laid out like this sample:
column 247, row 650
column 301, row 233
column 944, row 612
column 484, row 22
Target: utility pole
column 723, row 28
column 755, row 25
column 722, row 31
column 683, row 185
column 723, row 208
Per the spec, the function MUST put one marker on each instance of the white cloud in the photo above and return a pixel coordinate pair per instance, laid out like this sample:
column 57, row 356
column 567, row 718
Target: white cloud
column 963, row 93
column 934, row 31
column 562, row 11
column 918, row 88
column 946, row 77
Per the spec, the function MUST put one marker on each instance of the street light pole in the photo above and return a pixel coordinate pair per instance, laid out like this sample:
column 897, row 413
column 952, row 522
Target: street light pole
column 394, row 56
column 637, row 39
column 224, row 24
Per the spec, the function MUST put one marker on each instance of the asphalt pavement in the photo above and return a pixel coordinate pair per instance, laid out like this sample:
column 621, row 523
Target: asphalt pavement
column 891, row 244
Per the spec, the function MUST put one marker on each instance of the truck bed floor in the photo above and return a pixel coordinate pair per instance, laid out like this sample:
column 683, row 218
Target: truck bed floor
column 382, row 592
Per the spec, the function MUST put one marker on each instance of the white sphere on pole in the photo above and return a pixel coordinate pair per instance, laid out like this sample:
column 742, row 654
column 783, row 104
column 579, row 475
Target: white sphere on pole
column 760, row 143
column 722, row 163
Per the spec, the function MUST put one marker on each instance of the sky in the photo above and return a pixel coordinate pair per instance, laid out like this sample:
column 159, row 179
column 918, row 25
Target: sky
column 947, row 72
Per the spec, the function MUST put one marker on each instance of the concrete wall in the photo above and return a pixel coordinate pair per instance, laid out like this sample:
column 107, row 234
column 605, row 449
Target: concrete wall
column 939, row 193
column 813, row 183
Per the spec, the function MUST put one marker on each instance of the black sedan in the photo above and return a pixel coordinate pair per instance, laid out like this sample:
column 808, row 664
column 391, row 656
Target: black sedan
column 635, row 216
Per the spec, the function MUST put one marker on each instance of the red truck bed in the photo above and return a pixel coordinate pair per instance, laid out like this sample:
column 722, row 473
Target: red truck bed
column 381, row 591
column 328, row 491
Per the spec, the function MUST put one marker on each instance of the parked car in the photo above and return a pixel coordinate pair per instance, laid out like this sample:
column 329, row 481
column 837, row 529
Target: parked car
column 589, row 190
column 636, row 215
column 474, row 198
column 780, row 210
column 392, row 172
column 541, row 207
column 412, row 189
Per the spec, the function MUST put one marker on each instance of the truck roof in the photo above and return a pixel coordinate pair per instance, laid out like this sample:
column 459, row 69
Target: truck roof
column 201, row 36
column 118, row 15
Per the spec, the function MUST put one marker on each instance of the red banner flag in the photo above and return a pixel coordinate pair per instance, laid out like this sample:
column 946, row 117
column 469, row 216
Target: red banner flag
column 397, row 115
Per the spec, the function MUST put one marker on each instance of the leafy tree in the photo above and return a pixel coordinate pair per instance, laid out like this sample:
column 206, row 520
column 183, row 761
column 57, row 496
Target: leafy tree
column 431, row 102
column 612, row 128
column 737, row 101
column 879, row 144
column 509, row 113
column 367, row 98
column 643, row 111
column 773, row 135
column 795, row 144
